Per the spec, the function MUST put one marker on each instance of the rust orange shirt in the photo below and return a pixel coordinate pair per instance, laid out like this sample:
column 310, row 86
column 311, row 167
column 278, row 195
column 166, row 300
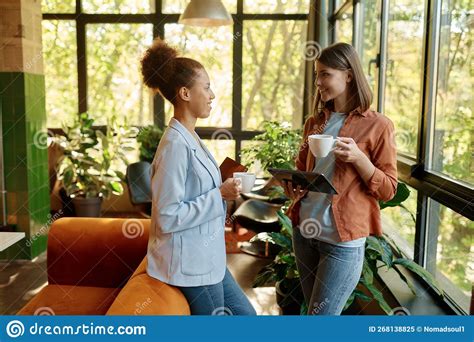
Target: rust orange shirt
column 355, row 208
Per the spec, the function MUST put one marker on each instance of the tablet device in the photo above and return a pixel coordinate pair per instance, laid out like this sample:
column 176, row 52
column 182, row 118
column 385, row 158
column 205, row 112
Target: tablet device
column 311, row 181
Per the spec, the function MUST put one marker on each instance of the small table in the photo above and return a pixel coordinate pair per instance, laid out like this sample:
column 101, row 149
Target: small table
column 9, row 238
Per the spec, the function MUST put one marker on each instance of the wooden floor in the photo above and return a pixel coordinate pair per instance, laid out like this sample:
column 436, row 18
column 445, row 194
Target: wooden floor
column 21, row 280
column 244, row 268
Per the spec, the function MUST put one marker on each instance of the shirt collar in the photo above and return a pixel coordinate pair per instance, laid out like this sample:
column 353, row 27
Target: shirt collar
column 326, row 112
column 184, row 132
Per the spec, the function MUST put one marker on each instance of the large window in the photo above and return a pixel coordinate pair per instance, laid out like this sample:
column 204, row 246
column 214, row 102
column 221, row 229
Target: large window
column 273, row 73
column 404, row 71
column 221, row 146
column 118, row 6
column 213, row 48
column 58, row 6
column 276, row 6
column 256, row 66
column 256, row 69
column 60, row 67
column 452, row 252
column 399, row 222
column 114, row 79
column 417, row 56
column 178, row 6
column 453, row 147
column 371, row 10
column 344, row 27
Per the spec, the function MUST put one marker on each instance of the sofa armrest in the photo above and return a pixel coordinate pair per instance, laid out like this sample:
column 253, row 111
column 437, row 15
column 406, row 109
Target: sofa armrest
column 144, row 295
column 101, row 252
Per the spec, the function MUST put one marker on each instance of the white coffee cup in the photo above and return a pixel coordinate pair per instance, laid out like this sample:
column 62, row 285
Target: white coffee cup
column 247, row 180
column 321, row 144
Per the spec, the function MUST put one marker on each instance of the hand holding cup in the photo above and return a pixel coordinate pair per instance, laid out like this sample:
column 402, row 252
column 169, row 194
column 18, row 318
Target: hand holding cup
column 247, row 180
column 230, row 189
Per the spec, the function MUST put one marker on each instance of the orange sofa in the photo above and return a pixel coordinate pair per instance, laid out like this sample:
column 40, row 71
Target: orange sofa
column 97, row 266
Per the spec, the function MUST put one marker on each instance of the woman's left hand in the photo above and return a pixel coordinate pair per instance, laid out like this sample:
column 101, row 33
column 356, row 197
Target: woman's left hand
column 347, row 150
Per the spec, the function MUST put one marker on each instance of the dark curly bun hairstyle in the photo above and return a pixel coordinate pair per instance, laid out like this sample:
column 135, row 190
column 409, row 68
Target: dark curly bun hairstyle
column 164, row 71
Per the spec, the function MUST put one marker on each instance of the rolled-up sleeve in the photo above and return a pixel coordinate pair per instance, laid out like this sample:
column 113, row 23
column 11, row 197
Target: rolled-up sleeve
column 383, row 183
column 173, row 211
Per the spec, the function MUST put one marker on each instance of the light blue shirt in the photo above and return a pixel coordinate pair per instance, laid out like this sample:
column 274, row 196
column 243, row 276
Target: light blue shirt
column 316, row 209
column 186, row 246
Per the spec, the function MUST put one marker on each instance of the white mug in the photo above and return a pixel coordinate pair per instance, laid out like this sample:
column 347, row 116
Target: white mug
column 321, row 144
column 247, row 180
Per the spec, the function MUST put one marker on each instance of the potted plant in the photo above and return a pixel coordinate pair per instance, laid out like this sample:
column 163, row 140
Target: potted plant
column 378, row 254
column 282, row 270
column 139, row 191
column 92, row 166
column 276, row 147
column 149, row 137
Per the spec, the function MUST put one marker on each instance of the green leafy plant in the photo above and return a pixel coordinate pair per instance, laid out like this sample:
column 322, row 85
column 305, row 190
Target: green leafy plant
column 276, row 147
column 379, row 254
column 149, row 137
column 397, row 201
column 93, row 163
column 282, row 270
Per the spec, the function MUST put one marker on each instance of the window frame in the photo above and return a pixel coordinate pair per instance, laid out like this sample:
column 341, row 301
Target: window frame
column 413, row 171
column 429, row 184
column 159, row 20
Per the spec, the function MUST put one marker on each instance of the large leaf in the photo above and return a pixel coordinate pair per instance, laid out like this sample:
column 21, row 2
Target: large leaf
column 381, row 247
column 392, row 242
column 303, row 309
column 406, row 280
column 287, row 258
column 285, row 222
column 362, row 295
column 387, row 256
column 117, row 188
column 401, row 195
column 68, row 176
column 367, row 272
column 378, row 297
column 263, row 277
column 273, row 238
column 356, row 294
column 423, row 273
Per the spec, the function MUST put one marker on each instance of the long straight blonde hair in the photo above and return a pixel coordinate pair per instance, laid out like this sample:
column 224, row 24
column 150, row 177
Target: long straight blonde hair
column 342, row 56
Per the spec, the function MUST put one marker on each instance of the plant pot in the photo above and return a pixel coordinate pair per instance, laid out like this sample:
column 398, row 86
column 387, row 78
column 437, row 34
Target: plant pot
column 67, row 203
column 87, row 207
column 289, row 296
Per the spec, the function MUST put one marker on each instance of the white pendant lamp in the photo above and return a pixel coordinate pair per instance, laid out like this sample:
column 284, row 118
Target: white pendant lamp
column 205, row 13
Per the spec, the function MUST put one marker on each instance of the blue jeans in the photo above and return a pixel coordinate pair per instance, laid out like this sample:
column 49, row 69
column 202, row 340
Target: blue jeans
column 328, row 273
column 224, row 298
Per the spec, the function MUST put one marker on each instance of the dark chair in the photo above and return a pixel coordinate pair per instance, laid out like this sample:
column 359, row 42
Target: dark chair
column 259, row 216
column 139, row 186
column 261, row 193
